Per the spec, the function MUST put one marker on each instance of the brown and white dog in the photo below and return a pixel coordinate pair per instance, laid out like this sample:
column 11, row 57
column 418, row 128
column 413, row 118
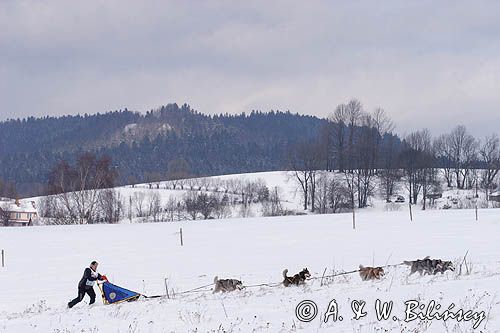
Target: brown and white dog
column 370, row 273
column 226, row 285
column 297, row 279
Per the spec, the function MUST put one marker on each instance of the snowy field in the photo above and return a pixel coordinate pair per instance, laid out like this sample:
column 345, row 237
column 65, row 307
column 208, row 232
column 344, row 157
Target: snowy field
column 44, row 265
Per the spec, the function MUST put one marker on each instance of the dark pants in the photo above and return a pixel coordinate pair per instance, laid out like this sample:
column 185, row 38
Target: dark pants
column 81, row 293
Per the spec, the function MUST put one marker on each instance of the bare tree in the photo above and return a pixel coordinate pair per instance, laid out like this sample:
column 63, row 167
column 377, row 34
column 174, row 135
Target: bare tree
column 338, row 195
column 327, row 145
column 382, row 121
column 352, row 114
column 390, row 173
column 179, row 210
column 322, row 193
column 314, row 164
column 490, row 157
column 206, row 204
column 365, row 153
column 443, row 149
column 428, row 178
column 249, row 192
column 273, row 206
column 46, row 206
column 464, row 152
column 383, row 125
column 77, row 188
column 339, row 120
column 332, row 195
column 417, row 161
column 216, row 185
column 305, row 162
column 170, row 208
column 5, row 214
column 354, row 111
column 221, row 207
column 193, row 184
column 111, row 205
column 206, row 183
column 154, row 206
column 139, row 204
column 262, row 191
column 191, row 204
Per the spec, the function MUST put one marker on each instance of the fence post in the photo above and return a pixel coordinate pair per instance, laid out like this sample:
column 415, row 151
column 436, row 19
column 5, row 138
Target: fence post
column 166, row 288
column 353, row 219
column 3, row 258
column 476, row 212
column 182, row 243
column 411, row 215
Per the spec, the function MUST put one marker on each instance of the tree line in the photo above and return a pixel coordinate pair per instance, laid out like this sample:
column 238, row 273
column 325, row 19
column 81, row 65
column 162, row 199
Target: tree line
column 360, row 145
column 141, row 146
column 83, row 194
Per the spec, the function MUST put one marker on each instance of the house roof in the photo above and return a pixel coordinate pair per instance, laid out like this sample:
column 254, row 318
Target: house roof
column 24, row 206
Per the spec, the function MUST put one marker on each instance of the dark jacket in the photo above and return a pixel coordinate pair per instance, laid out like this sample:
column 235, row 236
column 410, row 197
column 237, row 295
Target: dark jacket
column 87, row 276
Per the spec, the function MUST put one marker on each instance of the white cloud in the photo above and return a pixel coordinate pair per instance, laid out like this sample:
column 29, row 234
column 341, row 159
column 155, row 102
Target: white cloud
column 428, row 64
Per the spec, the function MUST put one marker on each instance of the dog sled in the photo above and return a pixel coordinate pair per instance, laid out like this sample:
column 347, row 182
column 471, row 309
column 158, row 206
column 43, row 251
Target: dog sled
column 113, row 294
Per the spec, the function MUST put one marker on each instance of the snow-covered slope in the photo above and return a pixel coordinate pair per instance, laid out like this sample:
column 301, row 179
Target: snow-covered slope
column 290, row 195
column 44, row 264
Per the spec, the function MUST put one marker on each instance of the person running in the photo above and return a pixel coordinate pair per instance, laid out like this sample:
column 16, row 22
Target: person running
column 86, row 284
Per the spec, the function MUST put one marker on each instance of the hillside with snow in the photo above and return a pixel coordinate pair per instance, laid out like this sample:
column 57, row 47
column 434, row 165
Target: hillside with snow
column 250, row 195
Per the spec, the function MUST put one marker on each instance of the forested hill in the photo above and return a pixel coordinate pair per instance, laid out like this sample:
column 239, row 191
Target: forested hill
column 142, row 146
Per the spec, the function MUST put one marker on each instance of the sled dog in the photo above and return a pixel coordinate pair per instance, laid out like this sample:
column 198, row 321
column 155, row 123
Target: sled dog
column 297, row 279
column 429, row 266
column 225, row 285
column 370, row 273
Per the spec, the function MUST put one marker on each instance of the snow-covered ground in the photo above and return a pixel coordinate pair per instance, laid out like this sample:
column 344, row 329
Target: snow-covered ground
column 288, row 188
column 44, row 264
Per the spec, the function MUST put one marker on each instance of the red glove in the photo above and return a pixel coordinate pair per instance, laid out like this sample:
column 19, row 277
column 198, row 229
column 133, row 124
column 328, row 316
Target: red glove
column 104, row 278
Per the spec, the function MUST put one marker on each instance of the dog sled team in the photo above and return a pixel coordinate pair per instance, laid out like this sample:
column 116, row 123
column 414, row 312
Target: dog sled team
column 425, row 266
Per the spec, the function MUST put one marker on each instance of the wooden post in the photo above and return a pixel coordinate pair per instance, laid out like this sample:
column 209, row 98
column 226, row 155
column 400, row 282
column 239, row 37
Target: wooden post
column 476, row 212
column 353, row 219
column 411, row 215
column 321, row 283
column 166, row 288
column 3, row 258
column 182, row 243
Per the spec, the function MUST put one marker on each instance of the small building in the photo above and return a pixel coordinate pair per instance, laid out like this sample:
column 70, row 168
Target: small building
column 17, row 213
column 495, row 196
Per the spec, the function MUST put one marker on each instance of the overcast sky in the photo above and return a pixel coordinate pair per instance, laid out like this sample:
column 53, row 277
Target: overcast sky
column 431, row 64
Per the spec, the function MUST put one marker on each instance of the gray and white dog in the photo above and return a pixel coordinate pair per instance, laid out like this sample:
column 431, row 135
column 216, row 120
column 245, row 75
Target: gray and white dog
column 225, row 285
column 429, row 266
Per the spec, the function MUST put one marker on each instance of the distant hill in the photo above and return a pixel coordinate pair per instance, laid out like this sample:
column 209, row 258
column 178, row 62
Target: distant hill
column 142, row 146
